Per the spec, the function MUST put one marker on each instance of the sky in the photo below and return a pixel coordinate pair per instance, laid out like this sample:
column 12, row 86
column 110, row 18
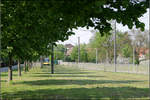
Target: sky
column 86, row 34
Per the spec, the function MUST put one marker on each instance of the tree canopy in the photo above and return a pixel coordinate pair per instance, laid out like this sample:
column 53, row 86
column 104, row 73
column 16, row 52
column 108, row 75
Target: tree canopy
column 28, row 24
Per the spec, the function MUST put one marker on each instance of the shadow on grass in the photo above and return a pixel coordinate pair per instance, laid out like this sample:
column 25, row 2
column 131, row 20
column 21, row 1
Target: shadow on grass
column 66, row 75
column 3, row 80
column 77, row 82
column 5, row 74
column 42, row 73
column 113, row 93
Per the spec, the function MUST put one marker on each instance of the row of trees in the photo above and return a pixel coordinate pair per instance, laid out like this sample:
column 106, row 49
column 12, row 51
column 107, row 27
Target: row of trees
column 29, row 31
column 31, row 28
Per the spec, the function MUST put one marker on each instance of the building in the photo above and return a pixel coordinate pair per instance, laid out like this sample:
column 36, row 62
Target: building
column 142, row 53
column 69, row 48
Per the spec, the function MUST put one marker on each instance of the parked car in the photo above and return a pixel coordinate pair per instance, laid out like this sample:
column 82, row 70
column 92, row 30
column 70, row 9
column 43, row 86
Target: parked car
column 46, row 61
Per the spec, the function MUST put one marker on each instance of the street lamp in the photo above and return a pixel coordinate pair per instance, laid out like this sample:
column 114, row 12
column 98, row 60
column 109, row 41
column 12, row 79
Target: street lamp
column 115, row 46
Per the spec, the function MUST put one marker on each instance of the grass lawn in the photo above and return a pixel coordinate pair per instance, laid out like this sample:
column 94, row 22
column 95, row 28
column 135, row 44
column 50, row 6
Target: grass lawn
column 72, row 83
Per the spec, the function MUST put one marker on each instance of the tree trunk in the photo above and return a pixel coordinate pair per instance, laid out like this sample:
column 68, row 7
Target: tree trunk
column 41, row 59
column 10, row 70
column 31, row 64
column 25, row 66
column 19, row 68
column 52, row 60
column 107, row 58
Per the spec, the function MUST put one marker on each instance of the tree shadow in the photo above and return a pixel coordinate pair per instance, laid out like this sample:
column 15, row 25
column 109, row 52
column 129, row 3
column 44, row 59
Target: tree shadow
column 111, row 93
column 72, row 73
column 77, row 82
column 3, row 80
column 66, row 75
column 5, row 74
column 61, row 73
column 42, row 73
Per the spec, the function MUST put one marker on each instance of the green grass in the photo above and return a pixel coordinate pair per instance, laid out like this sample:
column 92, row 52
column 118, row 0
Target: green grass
column 72, row 83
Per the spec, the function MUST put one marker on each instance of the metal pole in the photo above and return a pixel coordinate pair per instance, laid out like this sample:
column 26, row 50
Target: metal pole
column 96, row 56
column 134, row 68
column 115, row 48
column 107, row 62
column 149, row 43
column 65, row 50
column 52, row 59
column 78, row 49
column 0, row 53
column 133, row 55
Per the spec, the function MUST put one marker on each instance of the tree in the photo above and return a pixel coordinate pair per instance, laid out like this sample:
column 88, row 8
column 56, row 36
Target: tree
column 124, row 45
column 140, row 41
column 18, row 34
column 83, row 53
column 140, row 38
column 97, row 13
column 126, row 51
column 59, row 52
column 74, row 54
column 105, row 45
column 91, row 54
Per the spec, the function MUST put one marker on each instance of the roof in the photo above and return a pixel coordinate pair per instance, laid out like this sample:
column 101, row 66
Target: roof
column 69, row 46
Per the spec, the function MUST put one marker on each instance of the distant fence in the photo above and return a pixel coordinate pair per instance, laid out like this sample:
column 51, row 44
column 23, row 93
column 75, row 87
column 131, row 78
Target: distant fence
column 5, row 69
column 127, row 68
column 34, row 64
